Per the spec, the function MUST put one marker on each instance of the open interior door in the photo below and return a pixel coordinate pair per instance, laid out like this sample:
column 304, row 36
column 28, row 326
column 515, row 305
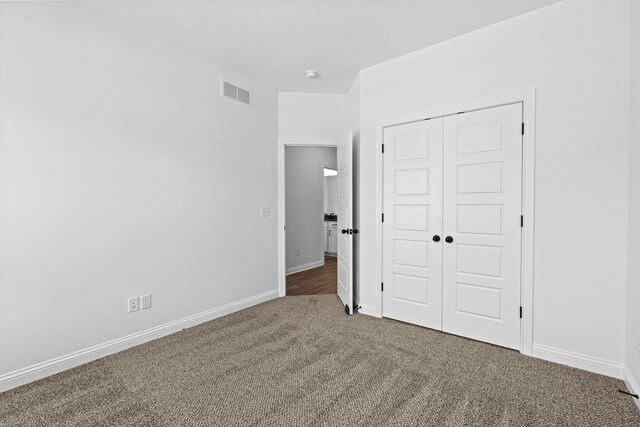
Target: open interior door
column 345, row 223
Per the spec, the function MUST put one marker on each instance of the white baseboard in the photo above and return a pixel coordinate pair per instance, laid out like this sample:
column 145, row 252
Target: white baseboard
column 62, row 363
column 563, row 357
column 632, row 385
column 303, row 267
column 577, row 360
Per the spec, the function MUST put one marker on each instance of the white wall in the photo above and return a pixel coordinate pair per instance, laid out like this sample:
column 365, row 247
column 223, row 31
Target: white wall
column 304, row 211
column 633, row 284
column 576, row 55
column 122, row 171
column 311, row 116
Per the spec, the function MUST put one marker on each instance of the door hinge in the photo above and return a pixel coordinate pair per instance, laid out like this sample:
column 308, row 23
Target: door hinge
column 382, row 148
column 521, row 220
column 522, row 128
column 382, row 286
column 521, row 312
column 382, row 217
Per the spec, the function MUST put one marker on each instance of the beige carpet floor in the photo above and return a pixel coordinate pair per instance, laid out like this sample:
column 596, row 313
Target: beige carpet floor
column 300, row 361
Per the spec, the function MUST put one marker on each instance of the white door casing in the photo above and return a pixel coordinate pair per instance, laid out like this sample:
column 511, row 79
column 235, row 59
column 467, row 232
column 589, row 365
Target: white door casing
column 412, row 260
column 345, row 223
column 482, row 208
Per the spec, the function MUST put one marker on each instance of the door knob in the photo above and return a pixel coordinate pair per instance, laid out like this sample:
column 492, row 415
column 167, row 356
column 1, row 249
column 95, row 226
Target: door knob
column 344, row 231
column 448, row 239
column 436, row 238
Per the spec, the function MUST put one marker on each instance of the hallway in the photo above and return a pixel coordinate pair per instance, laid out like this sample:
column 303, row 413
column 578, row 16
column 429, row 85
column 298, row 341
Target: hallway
column 320, row 280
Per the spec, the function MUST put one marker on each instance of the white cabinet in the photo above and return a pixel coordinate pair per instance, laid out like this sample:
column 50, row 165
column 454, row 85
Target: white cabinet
column 325, row 237
column 332, row 238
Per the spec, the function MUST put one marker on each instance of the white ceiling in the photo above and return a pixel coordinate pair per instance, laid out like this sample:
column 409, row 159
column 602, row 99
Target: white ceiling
column 275, row 41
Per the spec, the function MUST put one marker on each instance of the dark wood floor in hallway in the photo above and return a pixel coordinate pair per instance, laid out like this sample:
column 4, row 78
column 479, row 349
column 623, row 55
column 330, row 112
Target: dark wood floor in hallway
column 321, row 280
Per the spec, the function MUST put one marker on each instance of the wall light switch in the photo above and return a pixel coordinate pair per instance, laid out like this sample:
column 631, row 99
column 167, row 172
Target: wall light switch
column 134, row 304
column 264, row 211
column 145, row 301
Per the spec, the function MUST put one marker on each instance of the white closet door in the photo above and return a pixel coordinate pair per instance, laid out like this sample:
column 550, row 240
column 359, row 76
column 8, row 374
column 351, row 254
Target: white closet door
column 412, row 260
column 482, row 208
column 345, row 223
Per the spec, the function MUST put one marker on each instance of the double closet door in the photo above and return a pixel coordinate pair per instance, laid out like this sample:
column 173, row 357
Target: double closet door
column 452, row 224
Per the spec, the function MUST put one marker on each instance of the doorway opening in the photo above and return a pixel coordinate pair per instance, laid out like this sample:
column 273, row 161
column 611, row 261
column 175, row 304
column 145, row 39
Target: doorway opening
column 311, row 220
column 341, row 161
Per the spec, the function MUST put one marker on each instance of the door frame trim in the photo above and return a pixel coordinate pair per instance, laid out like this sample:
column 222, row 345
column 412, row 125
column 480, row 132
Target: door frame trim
column 528, row 99
column 282, row 143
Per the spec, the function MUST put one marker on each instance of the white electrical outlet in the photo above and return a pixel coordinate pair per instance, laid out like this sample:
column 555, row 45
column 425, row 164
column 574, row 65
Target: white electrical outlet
column 134, row 304
column 298, row 252
column 145, row 301
column 264, row 211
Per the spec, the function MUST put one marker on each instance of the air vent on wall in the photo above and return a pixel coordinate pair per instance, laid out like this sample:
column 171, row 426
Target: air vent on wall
column 232, row 91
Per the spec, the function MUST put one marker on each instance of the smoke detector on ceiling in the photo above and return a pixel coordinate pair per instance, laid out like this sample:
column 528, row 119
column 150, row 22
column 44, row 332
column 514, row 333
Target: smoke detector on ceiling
column 312, row 74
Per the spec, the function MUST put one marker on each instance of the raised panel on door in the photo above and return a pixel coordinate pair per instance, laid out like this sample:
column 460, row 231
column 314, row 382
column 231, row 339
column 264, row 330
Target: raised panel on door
column 412, row 261
column 482, row 208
